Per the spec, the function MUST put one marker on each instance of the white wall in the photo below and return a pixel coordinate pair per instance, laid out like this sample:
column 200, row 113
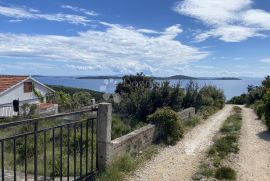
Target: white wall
column 16, row 92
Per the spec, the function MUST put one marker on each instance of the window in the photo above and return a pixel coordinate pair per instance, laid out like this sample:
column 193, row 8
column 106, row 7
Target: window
column 28, row 87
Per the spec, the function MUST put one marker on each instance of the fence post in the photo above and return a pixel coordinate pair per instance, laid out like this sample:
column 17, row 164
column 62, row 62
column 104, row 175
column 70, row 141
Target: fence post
column 104, row 122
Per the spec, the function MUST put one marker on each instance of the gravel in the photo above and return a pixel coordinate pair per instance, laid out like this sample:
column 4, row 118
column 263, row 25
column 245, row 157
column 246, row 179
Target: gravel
column 179, row 162
column 253, row 160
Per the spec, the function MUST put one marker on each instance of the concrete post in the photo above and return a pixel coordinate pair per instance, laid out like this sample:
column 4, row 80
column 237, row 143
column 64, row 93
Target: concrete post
column 104, row 122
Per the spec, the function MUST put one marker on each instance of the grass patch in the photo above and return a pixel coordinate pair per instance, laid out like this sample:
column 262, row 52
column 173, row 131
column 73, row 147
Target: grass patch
column 226, row 173
column 225, row 143
column 122, row 125
column 191, row 122
column 126, row 164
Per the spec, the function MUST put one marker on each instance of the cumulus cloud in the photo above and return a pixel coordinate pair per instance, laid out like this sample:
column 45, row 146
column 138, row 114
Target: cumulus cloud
column 24, row 13
column 78, row 9
column 118, row 48
column 228, row 20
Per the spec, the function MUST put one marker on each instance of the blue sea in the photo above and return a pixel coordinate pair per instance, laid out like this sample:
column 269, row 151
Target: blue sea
column 230, row 87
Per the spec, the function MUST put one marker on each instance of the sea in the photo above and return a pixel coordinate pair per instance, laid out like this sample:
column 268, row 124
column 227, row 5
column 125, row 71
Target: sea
column 230, row 87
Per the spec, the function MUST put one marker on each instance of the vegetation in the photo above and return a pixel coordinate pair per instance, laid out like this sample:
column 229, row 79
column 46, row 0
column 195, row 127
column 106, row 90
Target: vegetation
column 141, row 96
column 225, row 144
column 69, row 98
column 240, row 100
column 122, row 125
column 71, row 90
column 170, row 123
column 126, row 164
column 225, row 173
column 28, row 110
column 75, row 141
column 258, row 97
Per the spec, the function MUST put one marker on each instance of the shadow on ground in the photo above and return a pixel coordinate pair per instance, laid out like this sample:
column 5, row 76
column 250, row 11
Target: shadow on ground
column 265, row 135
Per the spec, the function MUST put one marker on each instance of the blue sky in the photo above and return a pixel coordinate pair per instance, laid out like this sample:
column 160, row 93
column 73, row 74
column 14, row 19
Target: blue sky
column 157, row 37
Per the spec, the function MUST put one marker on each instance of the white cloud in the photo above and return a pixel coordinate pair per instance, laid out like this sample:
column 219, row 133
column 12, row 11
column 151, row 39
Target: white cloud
column 27, row 65
column 15, row 20
column 148, row 31
column 228, row 20
column 78, row 9
column 258, row 18
column 118, row 48
column 265, row 60
column 210, row 11
column 172, row 32
column 23, row 13
column 229, row 33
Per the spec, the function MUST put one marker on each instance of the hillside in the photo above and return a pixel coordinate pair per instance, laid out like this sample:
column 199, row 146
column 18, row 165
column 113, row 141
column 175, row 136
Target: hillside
column 176, row 77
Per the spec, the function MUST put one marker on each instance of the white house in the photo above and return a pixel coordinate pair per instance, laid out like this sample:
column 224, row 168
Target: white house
column 23, row 88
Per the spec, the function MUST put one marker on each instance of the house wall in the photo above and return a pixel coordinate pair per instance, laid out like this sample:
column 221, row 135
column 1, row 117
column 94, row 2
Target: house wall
column 17, row 92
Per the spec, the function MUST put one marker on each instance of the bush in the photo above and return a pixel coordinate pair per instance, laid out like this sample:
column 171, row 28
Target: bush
column 169, row 121
column 192, row 90
column 225, row 173
column 210, row 96
column 116, row 171
column 240, row 100
column 259, row 108
column 80, row 99
column 140, row 100
column 206, row 111
column 267, row 108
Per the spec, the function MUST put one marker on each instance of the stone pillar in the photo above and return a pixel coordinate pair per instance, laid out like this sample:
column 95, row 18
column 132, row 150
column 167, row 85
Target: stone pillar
column 104, row 122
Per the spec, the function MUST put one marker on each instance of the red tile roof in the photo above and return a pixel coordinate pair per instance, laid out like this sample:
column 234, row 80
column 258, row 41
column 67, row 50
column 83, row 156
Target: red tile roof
column 7, row 81
column 45, row 105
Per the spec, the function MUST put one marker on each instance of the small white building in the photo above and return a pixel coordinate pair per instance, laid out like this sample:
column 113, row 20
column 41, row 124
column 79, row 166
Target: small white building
column 23, row 88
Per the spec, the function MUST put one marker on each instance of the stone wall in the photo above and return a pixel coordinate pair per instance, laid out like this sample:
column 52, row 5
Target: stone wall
column 140, row 138
column 134, row 141
column 187, row 113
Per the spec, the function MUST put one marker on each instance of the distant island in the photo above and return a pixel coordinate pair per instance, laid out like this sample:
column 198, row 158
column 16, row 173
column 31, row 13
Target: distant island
column 175, row 77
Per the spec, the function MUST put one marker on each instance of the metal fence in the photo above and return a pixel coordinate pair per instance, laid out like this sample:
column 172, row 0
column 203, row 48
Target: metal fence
column 61, row 147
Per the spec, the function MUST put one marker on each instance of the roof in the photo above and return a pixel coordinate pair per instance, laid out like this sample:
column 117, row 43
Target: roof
column 45, row 105
column 8, row 81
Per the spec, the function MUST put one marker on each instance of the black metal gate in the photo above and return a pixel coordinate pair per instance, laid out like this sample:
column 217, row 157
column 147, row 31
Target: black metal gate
column 61, row 147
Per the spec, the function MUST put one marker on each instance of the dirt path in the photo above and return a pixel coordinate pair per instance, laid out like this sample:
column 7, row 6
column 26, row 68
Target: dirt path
column 179, row 162
column 253, row 162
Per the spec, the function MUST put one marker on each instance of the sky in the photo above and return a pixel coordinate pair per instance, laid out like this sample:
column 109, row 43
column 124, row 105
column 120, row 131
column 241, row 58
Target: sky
column 202, row 38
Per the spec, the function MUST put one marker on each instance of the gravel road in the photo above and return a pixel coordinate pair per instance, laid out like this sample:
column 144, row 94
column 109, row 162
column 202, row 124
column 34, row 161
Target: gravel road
column 179, row 162
column 253, row 160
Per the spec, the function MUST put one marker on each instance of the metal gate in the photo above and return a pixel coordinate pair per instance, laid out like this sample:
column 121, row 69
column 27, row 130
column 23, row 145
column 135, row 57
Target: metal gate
column 61, row 147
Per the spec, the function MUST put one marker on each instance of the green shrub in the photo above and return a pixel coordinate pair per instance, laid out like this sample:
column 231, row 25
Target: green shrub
column 225, row 145
column 119, row 128
column 206, row 170
column 116, row 171
column 210, row 96
column 80, row 99
column 232, row 125
column 170, row 122
column 240, row 100
column 267, row 108
column 192, row 121
column 192, row 90
column 125, row 164
column 259, row 108
column 225, row 173
column 206, row 111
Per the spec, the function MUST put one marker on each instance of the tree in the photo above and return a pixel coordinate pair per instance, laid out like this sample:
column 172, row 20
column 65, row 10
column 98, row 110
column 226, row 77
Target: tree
column 190, row 98
column 132, row 82
column 210, row 96
column 64, row 100
column 80, row 99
